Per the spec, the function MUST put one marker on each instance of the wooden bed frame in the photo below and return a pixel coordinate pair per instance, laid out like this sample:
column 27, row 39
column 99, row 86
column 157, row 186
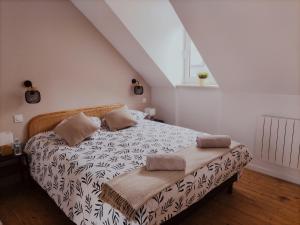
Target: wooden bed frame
column 48, row 121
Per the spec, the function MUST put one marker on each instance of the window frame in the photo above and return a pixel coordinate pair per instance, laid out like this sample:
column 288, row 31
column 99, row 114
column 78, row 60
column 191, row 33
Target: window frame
column 187, row 78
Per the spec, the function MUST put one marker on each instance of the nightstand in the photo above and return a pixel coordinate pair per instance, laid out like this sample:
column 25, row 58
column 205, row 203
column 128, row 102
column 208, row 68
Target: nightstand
column 12, row 164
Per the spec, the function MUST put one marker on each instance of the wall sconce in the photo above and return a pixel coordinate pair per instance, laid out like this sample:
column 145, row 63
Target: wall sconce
column 138, row 88
column 32, row 96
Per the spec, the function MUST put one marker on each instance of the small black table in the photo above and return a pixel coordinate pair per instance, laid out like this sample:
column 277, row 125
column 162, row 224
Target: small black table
column 12, row 164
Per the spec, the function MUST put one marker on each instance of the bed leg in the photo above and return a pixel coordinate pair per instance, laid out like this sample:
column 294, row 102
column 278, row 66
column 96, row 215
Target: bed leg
column 230, row 188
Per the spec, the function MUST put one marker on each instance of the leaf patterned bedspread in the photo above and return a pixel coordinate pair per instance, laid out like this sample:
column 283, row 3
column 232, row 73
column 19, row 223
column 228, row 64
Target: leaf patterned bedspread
column 72, row 176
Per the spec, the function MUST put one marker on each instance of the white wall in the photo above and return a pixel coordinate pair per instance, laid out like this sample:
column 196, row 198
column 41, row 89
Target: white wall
column 253, row 50
column 249, row 46
column 159, row 31
column 234, row 113
column 164, row 100
column 52, row 44
column 199, row 109
column 112, row 28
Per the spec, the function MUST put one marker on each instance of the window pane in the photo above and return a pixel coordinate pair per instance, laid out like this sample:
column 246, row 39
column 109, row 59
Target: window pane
column 195, row 58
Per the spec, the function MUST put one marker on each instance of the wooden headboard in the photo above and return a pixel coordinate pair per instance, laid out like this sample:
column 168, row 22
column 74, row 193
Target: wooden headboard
column 48, row 121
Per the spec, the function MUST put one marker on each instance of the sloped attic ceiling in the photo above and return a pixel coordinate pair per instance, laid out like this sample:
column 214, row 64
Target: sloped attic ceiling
column 251, row 46
column 122, row 23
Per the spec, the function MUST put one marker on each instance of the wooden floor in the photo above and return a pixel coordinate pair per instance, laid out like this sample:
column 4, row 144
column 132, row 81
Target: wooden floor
column 256, row 200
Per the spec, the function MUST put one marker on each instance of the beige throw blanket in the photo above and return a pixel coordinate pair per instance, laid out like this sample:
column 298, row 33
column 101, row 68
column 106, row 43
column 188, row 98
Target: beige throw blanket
column 130, row 191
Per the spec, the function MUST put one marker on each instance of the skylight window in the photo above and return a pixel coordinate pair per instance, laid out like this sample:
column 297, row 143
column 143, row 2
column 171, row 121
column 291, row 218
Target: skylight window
column 195, row 65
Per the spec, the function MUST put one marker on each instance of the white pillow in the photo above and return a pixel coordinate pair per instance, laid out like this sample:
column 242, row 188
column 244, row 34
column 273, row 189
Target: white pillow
column 137, row 115
column 96, row 121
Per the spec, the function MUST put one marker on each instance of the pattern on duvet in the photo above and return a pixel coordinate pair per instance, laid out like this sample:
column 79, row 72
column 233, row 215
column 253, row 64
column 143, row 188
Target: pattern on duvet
column 72, row 176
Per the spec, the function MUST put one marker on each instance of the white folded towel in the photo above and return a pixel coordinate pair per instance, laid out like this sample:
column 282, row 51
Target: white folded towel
column 213, row 141
column 165, row 162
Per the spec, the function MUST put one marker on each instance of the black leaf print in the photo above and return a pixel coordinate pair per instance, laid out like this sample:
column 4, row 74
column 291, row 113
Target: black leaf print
column 50, row 172
column 62, row 184
column 88, row 205
column 202, row 181
column 78, row 208
column 218, row 180
column 168, row 189
column 190, row 201
column 99, row 211
column 210, row 166
column 106, row 155
column 218, row 167
column 96, row 188
column 119, row 166
column 227, row 163
column 58, row 200
column 237, row 154
column 87, row 179
column 55, row 182
column 169, row 216
column 100, row 173
column 195, row 173
column 141, row 216
column 201, row 194
column 158, row 198
column 85, row 167
column 49, row 186
column 71, row 167
column 74, row 157
column 79, row 170
column 167, row 205
column 103, row 164
column 178, row 205
column 152, row 215
column 61, row 169
column 115, row 217
column 189, row 187
column 106, row 222
column 83, row 222
column 62, row 156
column 180, row 185
column 79, row 191
column 210, row 182
column 66, row 196
column 71, row 214
column 71, row 186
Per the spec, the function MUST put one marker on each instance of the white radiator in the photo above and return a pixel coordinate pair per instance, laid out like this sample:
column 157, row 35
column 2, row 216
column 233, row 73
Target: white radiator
column 278, row 141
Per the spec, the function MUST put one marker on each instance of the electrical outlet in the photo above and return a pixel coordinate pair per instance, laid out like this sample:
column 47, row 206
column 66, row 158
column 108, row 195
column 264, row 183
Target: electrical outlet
column 144, row 100
column 18, row 118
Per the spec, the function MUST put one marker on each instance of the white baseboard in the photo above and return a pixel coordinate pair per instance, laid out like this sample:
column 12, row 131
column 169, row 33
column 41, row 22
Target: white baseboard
column 284, row 173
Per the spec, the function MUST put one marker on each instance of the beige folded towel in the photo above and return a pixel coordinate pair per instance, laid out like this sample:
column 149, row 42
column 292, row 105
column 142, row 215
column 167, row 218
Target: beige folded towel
column 213, row 141
column 128, row 192
column 165, row 162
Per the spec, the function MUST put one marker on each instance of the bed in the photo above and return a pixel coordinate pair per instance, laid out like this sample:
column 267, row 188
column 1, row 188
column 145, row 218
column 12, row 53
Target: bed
column 72, row 176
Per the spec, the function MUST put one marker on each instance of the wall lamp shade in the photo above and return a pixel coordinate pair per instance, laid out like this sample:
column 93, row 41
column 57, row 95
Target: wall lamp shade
column 138, row 89
column 32, row 96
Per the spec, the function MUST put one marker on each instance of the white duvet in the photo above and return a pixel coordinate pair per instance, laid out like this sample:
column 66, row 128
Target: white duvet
column 72, row 176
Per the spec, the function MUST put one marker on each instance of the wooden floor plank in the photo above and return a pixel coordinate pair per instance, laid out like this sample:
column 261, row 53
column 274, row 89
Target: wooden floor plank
column 257, row 200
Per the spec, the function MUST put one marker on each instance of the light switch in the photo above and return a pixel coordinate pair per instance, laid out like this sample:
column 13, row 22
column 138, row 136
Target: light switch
column 144, row 100
column 18, row 118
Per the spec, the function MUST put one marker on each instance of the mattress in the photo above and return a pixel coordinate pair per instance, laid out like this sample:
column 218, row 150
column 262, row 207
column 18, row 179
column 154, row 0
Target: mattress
column 72, row 176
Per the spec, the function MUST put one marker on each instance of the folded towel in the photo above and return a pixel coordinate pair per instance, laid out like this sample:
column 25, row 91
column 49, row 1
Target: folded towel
column 213, row 141
column 165, row 162
column 128, row 192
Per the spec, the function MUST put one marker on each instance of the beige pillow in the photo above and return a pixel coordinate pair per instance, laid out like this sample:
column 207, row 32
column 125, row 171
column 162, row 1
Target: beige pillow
column 75, row 129
column 119, row 119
